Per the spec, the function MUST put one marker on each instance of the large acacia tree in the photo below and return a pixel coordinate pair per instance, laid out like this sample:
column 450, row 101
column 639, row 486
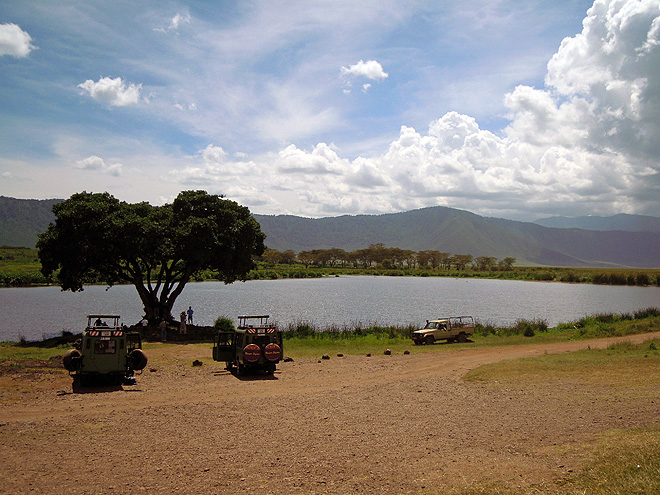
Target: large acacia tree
column 158, row 249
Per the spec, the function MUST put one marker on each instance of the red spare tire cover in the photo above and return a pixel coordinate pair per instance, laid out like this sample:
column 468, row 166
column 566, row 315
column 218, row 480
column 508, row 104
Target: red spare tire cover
column 273, row 352
column 251, row 353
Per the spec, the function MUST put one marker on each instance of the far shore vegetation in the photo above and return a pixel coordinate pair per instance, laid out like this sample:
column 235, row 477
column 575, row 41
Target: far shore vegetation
column 20, row 267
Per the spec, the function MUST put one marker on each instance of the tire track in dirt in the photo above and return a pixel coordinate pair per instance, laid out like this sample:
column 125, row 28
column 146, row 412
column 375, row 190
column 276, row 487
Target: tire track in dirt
column 383, row 424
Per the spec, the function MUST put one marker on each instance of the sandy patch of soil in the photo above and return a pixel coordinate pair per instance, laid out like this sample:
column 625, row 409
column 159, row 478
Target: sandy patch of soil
column 356, row 424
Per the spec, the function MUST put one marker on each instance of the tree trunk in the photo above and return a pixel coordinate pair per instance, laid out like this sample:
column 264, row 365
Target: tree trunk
column 154, row 310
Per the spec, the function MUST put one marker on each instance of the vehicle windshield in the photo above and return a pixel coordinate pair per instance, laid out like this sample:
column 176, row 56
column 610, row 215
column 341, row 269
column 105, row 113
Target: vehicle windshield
column 432, row 325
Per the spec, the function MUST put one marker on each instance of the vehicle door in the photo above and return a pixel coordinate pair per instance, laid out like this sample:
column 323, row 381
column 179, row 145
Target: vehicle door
column 223, row 346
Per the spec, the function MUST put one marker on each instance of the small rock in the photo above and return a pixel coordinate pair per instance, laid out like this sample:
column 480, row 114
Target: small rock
column 368, row 355
column 325, row 356
column 340, row 355
column 288, row 359
column 406, row 352
column 387, row 352
column 153, row 370
column 197, row 362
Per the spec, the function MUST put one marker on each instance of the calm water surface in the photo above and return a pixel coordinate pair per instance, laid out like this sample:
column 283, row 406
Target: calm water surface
column 34, row 313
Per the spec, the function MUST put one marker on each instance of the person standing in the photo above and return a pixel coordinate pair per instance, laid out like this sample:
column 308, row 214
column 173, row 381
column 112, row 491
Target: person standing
column 163, row 330
column 190, row 315
column 182, row 326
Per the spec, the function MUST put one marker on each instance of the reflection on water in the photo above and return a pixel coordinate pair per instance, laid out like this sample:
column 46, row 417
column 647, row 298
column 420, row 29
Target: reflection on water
column 45, row 311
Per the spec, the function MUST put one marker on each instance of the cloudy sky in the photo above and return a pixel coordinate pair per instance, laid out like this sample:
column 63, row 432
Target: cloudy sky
column 504, row 108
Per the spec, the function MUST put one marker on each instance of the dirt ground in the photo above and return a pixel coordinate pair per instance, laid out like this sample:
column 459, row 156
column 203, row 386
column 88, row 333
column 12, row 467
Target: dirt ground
column 353, row 424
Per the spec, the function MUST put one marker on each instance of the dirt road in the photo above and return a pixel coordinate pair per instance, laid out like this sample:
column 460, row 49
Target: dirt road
column 356, row 424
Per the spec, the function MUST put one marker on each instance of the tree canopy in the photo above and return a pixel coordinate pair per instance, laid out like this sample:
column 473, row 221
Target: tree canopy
column 158, row 249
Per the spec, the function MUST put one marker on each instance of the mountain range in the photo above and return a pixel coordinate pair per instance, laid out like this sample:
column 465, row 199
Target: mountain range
column 21, row 220
column 618, row 241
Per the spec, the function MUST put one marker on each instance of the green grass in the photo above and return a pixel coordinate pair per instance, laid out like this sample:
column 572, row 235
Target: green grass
column 621, row 462
column 621, row 365
column 13, row 352
column 304, row 340
column 624, row 462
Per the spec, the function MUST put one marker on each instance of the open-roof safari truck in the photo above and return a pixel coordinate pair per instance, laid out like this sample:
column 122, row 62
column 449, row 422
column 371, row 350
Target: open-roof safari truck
column 450, row 328
column 255, row 345
column 106, row 354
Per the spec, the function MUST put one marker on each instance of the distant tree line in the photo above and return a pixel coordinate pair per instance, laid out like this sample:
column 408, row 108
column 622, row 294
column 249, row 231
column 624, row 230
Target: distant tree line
column 385, row 257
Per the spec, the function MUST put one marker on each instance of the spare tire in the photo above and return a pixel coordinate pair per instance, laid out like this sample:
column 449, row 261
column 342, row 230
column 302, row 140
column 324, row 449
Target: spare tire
column 71, row 360
column 137, row 359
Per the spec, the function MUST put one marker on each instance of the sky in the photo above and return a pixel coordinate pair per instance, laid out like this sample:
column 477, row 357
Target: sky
column 509, row 109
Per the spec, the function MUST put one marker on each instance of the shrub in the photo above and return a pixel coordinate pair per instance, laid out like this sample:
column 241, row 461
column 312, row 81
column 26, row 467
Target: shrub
column 646, row 313
column 224, row 324
column 569, row 277
column 485, row 330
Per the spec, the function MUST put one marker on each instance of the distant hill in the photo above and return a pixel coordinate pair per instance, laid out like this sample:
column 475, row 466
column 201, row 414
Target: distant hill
column 22, row 220
column 461, row 232
column 444, row 229
column 622, row 221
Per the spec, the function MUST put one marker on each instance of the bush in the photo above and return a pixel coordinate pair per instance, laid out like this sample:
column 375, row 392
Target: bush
column 224, row 324
column 485, row 330
column 646, row 313
column 569, row 277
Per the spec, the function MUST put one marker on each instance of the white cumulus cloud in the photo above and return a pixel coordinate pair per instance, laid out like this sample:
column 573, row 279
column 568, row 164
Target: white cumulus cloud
column 112, row 91
column 14, row 41
column 369, row 69
column 96, row 163
column 586, row 143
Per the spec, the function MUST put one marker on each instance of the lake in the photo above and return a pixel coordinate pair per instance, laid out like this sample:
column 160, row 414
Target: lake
column 34, row 313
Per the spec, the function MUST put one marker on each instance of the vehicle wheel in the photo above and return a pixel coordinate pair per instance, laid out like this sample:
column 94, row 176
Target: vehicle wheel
column 137, row 359
column 429, row 340
column 462, row 337
column 71, row 360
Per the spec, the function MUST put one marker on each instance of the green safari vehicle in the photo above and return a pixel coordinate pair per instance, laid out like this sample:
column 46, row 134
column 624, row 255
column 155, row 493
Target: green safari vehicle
column 255, row 345
column 106, row 354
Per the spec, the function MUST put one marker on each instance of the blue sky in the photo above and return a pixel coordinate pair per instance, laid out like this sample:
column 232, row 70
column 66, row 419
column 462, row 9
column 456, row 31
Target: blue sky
column 316, row 108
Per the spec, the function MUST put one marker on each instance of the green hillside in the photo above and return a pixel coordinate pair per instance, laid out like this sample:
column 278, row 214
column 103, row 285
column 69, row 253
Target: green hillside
column 22, row 220
column 461, row 232
column 436, row 228
column 622, row 221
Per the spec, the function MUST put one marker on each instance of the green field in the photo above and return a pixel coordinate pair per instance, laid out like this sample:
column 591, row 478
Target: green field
column 20, row 267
